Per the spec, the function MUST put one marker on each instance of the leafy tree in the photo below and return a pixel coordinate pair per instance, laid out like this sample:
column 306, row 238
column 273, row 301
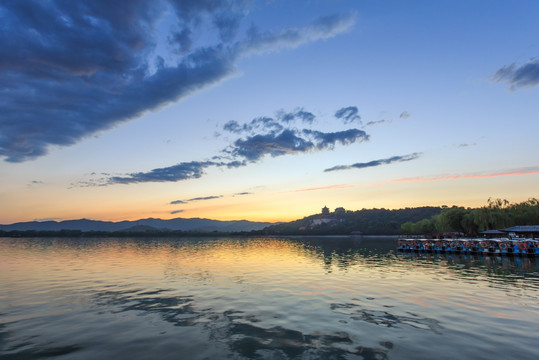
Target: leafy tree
column 497, row 214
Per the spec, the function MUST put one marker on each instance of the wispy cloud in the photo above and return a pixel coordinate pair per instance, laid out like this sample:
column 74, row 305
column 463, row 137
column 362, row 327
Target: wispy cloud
column 71, row 69
column 34, row 183
column 374, row 163
column 211, row 197
column 405, row 115
column 517, row 172
column 377, row 122
column 242, row 193
column 322, row 28
column 205, row 198
column 519, row 76
column 502, row 173
column 329, row 187
column 176, row 212
column 463, row 145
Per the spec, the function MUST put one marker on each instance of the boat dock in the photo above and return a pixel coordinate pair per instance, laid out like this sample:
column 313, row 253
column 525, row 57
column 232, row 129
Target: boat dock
column 490, row 247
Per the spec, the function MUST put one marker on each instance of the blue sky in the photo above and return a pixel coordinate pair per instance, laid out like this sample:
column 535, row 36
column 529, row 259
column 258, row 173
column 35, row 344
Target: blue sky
column 264, row 110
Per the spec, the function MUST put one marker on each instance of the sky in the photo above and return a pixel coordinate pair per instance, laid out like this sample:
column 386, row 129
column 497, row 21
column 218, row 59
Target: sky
column 264, row 110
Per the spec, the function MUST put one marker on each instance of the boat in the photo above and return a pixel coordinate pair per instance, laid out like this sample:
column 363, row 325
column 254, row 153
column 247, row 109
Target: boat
column 476, row 246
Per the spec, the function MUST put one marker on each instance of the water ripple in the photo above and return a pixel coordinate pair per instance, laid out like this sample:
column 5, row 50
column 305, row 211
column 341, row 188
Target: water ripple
column 261, row 298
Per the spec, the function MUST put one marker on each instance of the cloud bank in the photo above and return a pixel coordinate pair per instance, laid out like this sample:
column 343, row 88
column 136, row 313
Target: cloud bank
column 519, row 76
column 69, row 69
column 374, row 163
column 262, row 136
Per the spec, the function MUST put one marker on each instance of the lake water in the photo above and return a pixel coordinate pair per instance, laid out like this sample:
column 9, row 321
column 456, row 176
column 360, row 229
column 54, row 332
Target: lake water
column 261, row 298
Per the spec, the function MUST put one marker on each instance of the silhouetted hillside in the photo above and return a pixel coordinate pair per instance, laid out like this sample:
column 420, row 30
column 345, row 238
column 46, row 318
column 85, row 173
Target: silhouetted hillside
column 342, row 222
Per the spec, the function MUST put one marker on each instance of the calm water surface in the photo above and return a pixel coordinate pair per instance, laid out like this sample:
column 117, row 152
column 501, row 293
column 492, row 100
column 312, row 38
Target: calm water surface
column 261, row 298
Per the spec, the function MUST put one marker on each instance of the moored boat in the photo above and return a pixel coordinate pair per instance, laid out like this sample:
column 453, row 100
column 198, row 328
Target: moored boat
column 494, row 246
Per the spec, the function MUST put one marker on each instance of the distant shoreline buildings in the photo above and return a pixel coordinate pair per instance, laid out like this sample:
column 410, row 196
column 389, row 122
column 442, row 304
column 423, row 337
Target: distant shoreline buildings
column 327, row 217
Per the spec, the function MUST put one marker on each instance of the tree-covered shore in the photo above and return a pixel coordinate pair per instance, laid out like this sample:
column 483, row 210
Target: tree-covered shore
column 497, row 214
column 346, row 222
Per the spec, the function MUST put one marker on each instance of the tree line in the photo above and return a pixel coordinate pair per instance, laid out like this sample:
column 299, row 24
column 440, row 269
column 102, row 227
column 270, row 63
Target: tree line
column 497, row 214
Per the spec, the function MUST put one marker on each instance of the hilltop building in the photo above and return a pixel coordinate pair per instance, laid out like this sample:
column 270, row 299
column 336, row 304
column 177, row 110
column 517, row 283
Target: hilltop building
column 326, row 217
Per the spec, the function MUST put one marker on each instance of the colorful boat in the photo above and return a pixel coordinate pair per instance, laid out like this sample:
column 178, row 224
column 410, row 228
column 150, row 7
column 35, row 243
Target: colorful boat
column 496, row 246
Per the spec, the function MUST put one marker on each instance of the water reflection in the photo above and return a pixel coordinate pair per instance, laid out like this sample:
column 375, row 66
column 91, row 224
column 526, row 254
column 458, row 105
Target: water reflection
column 244, row 333
column 385, row 318
column 257, row 298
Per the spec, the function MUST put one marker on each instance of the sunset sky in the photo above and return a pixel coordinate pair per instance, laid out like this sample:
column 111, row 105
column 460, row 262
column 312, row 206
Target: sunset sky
column 264, row 110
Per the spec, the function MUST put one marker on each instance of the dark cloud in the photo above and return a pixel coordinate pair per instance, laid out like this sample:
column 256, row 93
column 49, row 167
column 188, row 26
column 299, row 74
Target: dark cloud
column 233, row 127
column 405, row 115
column 268, row 124
column 242, row 193
column 348, row 114
column 263, row 124
column 259, row 124
column 228, row 25
column 291, row 141
column 234, row 164
column 175, row 202
column 519, row 76
column 181, row 40
column 255, row 147
column 298, row 114
column 378, row 122
column 69, row 69
column 176, row 212
column 205, row 198
column 329, row 139
column 182, row 171
column 374, row 163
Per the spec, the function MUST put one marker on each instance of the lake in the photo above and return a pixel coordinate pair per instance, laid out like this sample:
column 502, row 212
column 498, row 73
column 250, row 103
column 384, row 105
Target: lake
column 261, row 298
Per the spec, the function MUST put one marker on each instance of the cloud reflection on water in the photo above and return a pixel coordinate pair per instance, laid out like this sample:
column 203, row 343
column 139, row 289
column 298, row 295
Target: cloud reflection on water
column 279, row 298
column 245, row 333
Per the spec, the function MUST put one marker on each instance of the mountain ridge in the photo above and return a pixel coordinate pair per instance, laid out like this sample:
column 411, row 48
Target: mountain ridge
column 183, row 224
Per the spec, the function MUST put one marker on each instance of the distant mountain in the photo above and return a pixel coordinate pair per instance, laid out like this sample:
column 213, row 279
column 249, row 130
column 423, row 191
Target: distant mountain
column 193, row 224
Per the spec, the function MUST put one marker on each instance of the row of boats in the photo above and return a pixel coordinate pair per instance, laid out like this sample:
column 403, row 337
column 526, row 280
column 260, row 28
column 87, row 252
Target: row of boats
column 499, row 246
